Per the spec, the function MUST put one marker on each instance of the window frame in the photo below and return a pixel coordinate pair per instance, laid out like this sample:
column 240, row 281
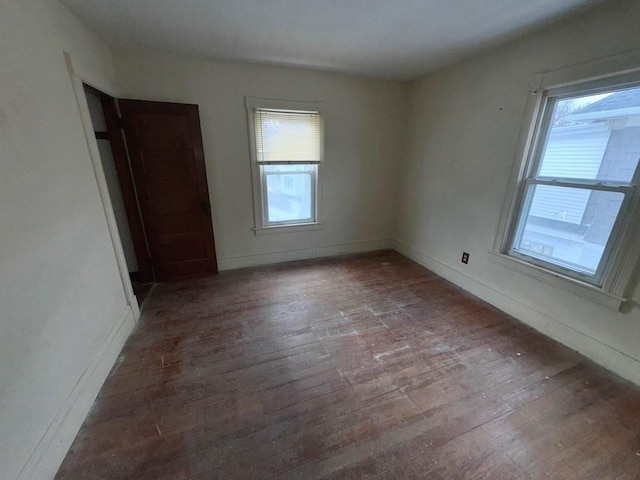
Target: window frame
column 262, row 225
column 610, row 285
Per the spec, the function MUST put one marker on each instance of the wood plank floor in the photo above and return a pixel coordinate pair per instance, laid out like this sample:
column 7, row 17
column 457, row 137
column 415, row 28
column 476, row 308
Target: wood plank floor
column 365, row 367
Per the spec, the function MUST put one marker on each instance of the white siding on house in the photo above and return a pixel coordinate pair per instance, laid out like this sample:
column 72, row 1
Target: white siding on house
column 571, row 152
column 575, row 151
column 560, row 203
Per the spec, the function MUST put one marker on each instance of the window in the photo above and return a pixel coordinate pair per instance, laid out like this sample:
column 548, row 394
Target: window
column 576, row 200
column 286, row 144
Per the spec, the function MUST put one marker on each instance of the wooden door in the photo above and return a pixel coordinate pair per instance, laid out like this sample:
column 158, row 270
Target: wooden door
column 167, row 161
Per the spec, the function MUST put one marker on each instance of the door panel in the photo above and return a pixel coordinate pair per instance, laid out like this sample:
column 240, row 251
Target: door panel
column 171, row 165
column 173, row 198
column 180, row 248
column 145, row 271
column 167, row 161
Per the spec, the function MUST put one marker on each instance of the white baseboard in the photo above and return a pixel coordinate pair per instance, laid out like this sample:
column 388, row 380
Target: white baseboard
column 601, row 353
column 231, row 263
column 56, row 441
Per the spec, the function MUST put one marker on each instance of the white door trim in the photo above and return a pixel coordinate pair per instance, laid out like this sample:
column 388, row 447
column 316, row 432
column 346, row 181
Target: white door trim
column 77, row 81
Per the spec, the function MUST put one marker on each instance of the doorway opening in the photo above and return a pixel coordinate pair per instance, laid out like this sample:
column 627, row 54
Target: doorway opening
column 113, row 155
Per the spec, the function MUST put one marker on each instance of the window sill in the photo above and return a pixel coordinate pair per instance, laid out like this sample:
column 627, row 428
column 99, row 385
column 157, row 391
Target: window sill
column 302, row 227
column 568, row 284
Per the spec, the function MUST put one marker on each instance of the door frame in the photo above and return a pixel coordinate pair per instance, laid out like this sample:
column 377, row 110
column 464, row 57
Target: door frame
column 78, row 82
column 127, row 186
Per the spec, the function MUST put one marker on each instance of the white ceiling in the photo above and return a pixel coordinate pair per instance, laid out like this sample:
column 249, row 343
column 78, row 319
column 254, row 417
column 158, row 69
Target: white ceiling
column 399, row 39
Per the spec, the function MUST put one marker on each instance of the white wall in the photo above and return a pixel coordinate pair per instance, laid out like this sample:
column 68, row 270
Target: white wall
column 364, row 121
column 464, row 124
column 61, row 296
column 62, row 302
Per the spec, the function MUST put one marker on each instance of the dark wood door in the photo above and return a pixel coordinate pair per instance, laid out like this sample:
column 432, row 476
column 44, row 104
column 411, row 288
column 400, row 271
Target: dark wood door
column 167, row 162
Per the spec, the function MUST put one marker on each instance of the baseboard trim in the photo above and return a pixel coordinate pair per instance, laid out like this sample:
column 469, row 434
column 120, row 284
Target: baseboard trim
column 592, row 348
column 57, row 439
column 232, row 263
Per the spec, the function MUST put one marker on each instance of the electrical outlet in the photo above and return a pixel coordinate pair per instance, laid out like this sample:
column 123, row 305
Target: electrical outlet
column 465, row 257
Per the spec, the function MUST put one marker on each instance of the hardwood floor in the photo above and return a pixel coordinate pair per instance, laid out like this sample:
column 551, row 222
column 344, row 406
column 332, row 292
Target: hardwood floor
column 365, row 367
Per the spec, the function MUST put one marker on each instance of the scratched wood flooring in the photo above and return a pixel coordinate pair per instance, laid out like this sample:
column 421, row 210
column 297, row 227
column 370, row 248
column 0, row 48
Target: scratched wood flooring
column 362, row 367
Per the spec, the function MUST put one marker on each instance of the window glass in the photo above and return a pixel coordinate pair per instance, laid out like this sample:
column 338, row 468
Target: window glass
column 568, row 227
column 594, row 137
column 290, row 192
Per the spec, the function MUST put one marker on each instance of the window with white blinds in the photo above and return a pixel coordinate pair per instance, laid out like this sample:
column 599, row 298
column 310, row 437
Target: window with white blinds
column 286, row 140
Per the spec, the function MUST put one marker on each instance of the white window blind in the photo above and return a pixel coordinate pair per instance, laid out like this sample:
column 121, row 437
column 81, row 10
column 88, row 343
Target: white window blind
column 284, row 136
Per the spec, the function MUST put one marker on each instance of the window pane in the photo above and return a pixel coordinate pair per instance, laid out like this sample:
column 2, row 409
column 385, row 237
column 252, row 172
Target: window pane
column 290, row 192
column 594, row 137
column 569, row 227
